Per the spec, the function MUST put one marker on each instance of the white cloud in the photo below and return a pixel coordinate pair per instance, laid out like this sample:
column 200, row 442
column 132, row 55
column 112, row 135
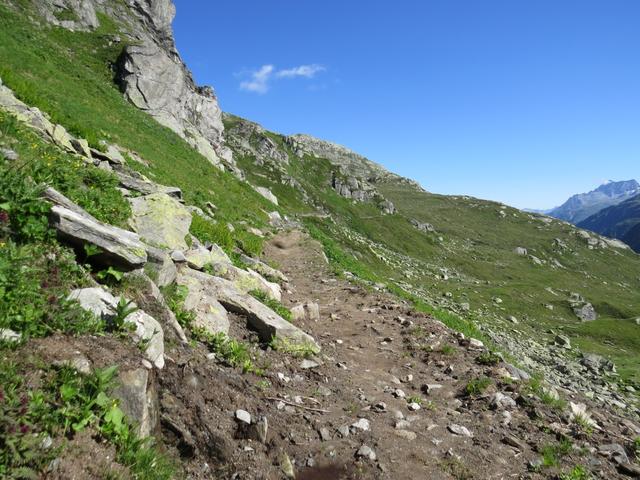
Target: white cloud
column 260, row 79
column 259, row 82
column 307, row 71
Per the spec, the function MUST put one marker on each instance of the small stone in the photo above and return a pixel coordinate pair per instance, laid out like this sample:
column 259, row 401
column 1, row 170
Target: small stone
column 512, row 319
column 362, row 424
column 414, row 406
column 402, row 425
column 286, row 466
column 459, row 430
column 308, row 364
column 343, row 431
column 380, row 407
column 7, row 335
column 366, row 452
column 399, row 393
column 325, row 436
column 501, row 401
column 407, row 378
column 262, row 429
column 9, row 154
column 563, row 341
column 475, row 343
column 178, row 256
column 243, row 416
column 406, row 434
column 430, row 388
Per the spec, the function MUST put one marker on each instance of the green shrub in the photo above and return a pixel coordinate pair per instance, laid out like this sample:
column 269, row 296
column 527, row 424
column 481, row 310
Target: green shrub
column 175, row 296
column 477, row 386
column 207, row 231
column 274, row 305
column 34, row 282
column 66, row 403
column 232, row 351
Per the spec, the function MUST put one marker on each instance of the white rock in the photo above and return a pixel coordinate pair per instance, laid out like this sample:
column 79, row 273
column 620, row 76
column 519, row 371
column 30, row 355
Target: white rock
column 243, row 416
column 459, row 430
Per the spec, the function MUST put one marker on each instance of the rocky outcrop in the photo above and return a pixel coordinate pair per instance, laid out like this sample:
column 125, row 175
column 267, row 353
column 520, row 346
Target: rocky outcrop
column 261, row 318
column 146, row 331
column 161, row 220
column 150, row 72
column 210, row 315
column 116, row 246
column 138, row 399
column 156, row 81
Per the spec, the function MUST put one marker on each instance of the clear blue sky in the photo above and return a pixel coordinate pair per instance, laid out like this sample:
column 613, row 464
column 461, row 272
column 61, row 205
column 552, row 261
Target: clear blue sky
column 525, row 102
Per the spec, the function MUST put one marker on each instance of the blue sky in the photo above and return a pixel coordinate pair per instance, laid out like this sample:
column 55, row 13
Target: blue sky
column 525, row 102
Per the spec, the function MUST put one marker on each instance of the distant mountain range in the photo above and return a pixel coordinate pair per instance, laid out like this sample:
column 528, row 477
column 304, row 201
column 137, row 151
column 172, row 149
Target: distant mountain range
column 581, row 206
column 620, row 221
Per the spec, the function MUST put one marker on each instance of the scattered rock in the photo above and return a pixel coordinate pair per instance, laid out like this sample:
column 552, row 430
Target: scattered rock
column 366, row 452
column 243, row 416
column 563, row 341
column 8, row 335
column 459, row 430
column 266, row 193
column 362, row 424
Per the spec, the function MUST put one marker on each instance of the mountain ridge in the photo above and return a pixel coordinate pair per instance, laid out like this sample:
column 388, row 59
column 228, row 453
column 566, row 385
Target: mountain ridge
column 580, row 206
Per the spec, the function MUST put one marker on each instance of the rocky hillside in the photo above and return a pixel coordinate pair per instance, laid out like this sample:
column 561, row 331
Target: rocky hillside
column 184, row 294
column 581, row 206
column 621, row 221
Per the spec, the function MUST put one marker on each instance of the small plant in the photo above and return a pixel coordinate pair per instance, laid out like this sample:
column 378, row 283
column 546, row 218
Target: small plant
column 477, row 386
column 489, row 359
column 583, row 423
column 176, row 296
column 274, row 305
column 456, row 469
column 552, row 454
column 415, row 399
column 233, row 352
column 123, row 310
column 302, row 350
column 447, row 350
column 578, row 473
column 636, row 447
column 110, row 276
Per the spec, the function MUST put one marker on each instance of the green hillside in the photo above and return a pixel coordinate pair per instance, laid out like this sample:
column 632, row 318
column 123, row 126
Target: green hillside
column 69, row 75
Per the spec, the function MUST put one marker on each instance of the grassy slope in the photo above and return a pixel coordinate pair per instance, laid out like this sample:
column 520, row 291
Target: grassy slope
column 68, row 75
column 478, row 244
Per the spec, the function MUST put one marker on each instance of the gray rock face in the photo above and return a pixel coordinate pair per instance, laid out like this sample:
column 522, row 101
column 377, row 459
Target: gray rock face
column 161, row 220
column 147, row 331
column 162, row 265
column 81, row 13
column 118, row 247
column 423, row 227
column 138, row 399
column 585, row 312
column 155, row 80
column 262, row 319
column 266, row 193
column 141, row 185
column 210, row 314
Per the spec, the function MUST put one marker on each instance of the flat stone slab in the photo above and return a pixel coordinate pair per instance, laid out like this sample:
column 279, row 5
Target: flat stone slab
column 118, row 247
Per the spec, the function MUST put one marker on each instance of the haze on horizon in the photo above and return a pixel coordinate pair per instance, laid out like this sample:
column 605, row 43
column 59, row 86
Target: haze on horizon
column 523, row 103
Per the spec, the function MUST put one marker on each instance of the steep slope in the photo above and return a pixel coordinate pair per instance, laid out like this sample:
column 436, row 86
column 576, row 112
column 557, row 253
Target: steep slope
column 620, row 221
column 581, row 206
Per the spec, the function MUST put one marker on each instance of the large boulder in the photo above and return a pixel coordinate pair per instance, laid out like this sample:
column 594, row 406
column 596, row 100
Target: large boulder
column 210, row 315
column 247, row 280
column 161, row 220
column 117, row 247
column 156, row 81
column 261, row 318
